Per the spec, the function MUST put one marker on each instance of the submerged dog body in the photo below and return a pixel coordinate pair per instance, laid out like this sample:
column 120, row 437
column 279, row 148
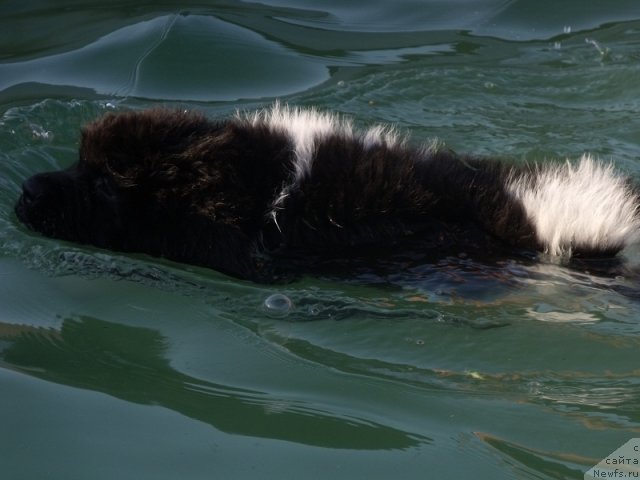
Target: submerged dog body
column 223, row 193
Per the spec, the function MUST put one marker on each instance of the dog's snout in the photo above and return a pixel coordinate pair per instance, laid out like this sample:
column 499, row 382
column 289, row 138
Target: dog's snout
column 32, row 188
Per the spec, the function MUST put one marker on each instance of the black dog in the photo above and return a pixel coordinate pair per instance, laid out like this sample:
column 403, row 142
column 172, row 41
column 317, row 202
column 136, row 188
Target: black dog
column 235, row 194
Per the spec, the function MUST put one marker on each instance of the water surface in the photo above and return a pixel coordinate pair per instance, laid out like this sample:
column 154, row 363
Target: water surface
column 123, row 366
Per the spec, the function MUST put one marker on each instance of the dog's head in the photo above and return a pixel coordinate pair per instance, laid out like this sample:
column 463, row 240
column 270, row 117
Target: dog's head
column 85, row 205
column 146, row 182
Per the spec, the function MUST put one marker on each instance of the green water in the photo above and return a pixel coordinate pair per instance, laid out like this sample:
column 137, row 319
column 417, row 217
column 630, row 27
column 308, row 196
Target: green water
column 122, row 366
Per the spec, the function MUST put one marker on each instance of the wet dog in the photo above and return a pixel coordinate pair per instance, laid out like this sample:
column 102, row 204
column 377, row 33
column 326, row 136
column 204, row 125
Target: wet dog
column 239, row 194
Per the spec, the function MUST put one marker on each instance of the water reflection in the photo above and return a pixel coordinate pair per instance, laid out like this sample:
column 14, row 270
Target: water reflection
column 130, row 363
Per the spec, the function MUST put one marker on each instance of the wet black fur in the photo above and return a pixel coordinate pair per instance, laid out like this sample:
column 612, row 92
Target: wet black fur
column 177, row 185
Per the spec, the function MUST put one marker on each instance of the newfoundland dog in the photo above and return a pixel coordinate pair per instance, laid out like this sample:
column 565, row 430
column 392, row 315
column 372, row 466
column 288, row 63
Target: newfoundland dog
column 244, row 194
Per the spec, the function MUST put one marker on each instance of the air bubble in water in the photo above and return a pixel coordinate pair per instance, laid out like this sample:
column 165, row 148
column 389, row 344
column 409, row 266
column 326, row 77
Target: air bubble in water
column 278, row 304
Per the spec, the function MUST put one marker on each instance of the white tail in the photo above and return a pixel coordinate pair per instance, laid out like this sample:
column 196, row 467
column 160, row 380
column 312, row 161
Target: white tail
column 578, row 206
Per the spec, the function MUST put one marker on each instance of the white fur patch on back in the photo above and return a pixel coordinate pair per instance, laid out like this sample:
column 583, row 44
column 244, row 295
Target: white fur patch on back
column 305, row 128
column 584, row 205
column 379, row 135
